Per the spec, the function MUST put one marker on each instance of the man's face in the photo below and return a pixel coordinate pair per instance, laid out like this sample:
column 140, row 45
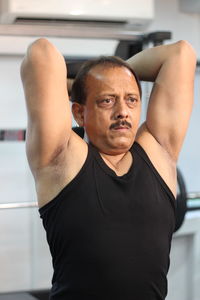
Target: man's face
column 112, row 109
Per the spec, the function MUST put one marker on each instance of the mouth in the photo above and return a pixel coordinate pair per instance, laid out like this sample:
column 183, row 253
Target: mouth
column 121, row 128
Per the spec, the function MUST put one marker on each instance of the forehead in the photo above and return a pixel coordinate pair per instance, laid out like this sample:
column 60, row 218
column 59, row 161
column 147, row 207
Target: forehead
column 110, row 78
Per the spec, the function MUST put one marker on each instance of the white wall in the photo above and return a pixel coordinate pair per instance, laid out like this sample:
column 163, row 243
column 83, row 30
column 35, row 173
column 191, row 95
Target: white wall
column 184, row 26
column 24, row 259
column 184, row 273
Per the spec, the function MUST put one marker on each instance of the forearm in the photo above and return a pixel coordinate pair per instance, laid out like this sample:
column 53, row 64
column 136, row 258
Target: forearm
column 148, row 62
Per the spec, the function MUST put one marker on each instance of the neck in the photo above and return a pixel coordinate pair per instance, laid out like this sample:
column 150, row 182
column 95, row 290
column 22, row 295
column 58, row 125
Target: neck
column 119, row 163
column 114, row 160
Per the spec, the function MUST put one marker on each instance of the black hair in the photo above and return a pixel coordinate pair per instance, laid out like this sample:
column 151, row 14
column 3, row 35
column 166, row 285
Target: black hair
column 79, row 93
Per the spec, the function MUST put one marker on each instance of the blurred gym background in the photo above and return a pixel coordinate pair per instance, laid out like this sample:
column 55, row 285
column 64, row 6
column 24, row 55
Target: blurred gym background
column 81, row 33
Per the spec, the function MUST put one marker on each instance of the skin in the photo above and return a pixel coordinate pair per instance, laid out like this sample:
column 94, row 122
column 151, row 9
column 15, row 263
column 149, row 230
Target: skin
column 111, row 113
column 56, row 154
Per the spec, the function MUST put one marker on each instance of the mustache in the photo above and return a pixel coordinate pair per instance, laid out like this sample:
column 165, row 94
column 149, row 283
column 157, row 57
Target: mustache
column 120, row 123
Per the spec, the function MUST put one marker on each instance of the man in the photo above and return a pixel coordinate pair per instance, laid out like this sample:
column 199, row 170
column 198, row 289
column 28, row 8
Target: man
column 108, row 206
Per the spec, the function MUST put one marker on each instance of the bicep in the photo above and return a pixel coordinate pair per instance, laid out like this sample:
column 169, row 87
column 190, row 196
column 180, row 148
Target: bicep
column 49, row 119
column 171, row 101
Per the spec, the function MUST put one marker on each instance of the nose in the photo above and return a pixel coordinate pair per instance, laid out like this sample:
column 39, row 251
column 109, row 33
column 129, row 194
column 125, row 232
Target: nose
column 121, row 110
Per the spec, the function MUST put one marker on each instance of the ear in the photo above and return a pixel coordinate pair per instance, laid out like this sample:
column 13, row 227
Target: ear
column 78, row 113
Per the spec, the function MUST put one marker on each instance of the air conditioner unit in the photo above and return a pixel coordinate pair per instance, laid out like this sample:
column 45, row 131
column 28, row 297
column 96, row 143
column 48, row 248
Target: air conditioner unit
column 135, row 12
column 190, row 6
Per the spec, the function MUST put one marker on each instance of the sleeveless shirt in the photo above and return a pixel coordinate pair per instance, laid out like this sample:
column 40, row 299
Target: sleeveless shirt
column 110, row 236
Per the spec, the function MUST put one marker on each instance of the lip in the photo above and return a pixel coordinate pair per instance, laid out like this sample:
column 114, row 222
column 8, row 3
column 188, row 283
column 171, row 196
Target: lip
column 121, row 128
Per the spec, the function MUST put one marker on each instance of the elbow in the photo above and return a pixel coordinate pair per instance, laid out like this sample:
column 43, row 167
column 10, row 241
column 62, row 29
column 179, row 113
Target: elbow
column 40, row 54
column 187, row 52
column 40, row 49
column 36, row 52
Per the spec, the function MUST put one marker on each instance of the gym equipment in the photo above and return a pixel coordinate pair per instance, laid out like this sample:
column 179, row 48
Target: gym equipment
column 12, row 135
column 181, row 201
column 29, row 295
column 17, row 296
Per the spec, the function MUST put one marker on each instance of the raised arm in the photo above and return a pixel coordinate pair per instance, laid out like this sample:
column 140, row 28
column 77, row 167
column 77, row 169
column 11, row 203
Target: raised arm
column 172, row 68
column 43, row 73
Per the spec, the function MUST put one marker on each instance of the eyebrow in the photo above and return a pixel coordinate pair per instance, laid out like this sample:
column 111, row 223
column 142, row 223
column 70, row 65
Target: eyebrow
column 114, row 95
column 133, row 94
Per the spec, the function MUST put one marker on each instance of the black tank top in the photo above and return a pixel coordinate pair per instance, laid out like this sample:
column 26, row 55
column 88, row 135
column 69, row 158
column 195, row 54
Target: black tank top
column 110, row 235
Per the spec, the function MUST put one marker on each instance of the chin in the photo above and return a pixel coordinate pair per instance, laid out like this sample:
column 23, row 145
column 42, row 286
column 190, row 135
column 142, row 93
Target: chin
column 120, row 147
column 123, row 142
column 113, row 146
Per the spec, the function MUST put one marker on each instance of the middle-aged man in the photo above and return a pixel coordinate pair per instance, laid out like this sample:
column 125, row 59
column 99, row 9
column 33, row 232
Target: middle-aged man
column 108, row 205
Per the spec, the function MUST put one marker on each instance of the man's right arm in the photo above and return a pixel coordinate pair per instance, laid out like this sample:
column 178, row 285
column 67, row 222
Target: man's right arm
column 44, row 77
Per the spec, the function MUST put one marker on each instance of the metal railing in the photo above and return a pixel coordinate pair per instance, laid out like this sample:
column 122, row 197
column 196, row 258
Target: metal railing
column 18, row 205
column 194, row 195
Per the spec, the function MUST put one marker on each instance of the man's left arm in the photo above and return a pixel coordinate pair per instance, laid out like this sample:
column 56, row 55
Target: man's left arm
column 172, row 69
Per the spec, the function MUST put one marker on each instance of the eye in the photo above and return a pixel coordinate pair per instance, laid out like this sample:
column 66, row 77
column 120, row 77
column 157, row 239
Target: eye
column 107, row 102
column 132, row 100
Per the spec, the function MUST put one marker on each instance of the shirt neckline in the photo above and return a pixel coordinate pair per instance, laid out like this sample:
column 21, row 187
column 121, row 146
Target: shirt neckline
column 107, row 169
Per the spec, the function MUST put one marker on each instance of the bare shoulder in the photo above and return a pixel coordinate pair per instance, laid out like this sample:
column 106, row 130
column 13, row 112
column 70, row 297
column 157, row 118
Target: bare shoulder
column 51, row 179
column 160, row 158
